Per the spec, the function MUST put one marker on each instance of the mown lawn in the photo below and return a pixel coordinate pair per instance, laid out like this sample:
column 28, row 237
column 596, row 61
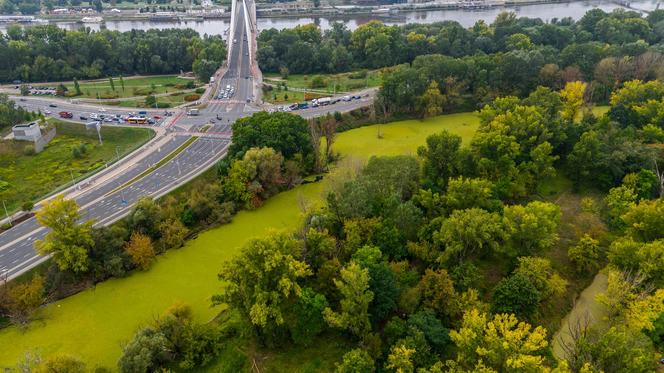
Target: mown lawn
column 133, row 86
column 95, row 323
column 31, row 177
column 344, row 82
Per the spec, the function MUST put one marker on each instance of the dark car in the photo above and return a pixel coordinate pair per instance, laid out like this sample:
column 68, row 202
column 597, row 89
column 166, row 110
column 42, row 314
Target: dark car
column 52, row 105
column 83, row 117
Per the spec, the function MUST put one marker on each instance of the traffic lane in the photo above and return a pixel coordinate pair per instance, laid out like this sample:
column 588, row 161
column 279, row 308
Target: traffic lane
column 22, row 255
column 26, row 227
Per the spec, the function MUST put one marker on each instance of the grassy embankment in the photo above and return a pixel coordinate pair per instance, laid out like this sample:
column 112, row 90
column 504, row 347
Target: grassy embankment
column 33, row 176
column 93, row 324
column 331, row 83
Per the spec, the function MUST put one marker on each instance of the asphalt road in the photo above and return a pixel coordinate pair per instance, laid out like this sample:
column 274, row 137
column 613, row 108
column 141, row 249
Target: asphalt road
column 106, row 201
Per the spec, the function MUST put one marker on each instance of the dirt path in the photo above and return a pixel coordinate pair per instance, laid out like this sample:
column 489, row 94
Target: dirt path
column 586, row 307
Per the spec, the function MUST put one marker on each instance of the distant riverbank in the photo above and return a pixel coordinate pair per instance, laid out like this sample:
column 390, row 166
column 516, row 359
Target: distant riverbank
column 217, row 26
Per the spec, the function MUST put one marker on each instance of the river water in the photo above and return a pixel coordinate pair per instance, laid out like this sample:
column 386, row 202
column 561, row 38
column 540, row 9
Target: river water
column 465, row 17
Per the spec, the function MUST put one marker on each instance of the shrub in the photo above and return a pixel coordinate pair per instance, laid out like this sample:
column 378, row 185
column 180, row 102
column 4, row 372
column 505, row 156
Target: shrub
column 192, row 97
column 200, row 91
column 29, row 150
column 362, row 74
column 318, row 82
column 27, row 206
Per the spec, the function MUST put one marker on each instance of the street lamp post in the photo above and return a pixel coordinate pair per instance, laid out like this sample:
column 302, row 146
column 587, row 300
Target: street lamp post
column 72, row 179
column 117, row 153
column 7, row 213
column 99, row 133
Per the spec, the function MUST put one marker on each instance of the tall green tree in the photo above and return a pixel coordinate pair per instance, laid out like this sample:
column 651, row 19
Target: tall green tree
column 68, row 241
column 263, row 280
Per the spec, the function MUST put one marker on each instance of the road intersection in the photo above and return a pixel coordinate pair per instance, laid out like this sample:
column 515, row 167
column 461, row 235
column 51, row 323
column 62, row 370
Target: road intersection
column 110, row 194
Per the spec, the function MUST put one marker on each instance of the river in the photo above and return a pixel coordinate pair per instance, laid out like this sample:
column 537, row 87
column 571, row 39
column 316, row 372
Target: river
column 465, row 17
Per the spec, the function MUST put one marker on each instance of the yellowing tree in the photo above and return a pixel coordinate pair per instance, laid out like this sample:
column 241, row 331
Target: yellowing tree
column 432, row 101
column 399, row 360
column 572, row 96
column 68, row 241
column 140, row 249
column 502, row 343
column 356, row 297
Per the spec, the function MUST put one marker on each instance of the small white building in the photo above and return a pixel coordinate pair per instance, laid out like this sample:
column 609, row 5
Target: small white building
column 27, row 132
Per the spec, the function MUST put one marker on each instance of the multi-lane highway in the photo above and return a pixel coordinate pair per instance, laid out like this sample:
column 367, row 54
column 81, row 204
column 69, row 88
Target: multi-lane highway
column 109, row 195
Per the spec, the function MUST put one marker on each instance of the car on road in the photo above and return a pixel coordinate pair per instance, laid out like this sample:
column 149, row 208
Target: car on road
column 94, row 116
column 157, row 117
column 102, row 109
column 21, row 99
column 212, row 121
column 66, row 114
column 219, row 117
column 82, row 117
column 47, row 112
column 52, row 105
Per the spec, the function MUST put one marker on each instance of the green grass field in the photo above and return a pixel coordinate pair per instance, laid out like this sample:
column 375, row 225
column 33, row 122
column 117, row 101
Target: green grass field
column 94, row 323
column 33, row 176
column 133, row 86
column 342, row 82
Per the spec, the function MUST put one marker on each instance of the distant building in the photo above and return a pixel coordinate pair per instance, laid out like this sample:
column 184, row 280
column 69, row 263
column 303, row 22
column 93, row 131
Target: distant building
column 27, row 132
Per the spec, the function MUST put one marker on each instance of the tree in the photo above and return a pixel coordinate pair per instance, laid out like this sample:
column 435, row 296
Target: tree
column 173, row 233
column 77, row 87
column 24, row 90
column 286, row 133
column 645, row 221
column 146, row 217
column 469, row 232
column 502, row 343
column 573, row 100
column 531, row 228
column 112, row 83
column 437, row 291
column 263, row 279
column 22, row 300
column 516, row 295
column 67, row 240
column 306, row 320
column 61, row 364
column 464, row 193
column 254, row 178
column 355, row 300
column 140, row 249
column 585, row 255
column 122, row 83
column 354, row 361
column 399, row 359
column 541, row 274
column 432, row 101
column 441, row 158
column 146, row 352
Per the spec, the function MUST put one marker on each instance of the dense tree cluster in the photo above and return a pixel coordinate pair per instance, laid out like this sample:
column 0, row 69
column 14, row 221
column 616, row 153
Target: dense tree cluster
column 396, row 260
column 49, row 53
column 444, row 67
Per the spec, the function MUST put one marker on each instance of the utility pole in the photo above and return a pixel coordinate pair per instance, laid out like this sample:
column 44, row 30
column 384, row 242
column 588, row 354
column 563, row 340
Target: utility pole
column 72, row 179
column 7, row 213
column 117, row 153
